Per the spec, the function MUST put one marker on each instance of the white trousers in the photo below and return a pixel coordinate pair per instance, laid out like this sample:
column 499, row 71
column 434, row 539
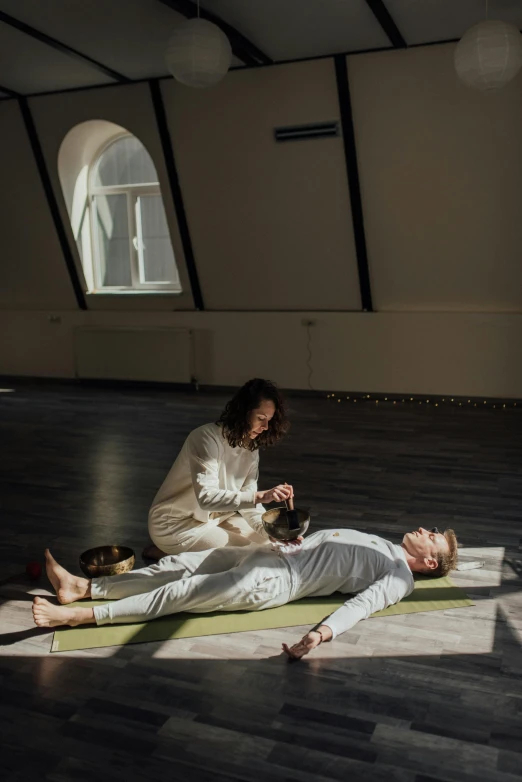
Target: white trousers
column 230, row 579
column 177, row 536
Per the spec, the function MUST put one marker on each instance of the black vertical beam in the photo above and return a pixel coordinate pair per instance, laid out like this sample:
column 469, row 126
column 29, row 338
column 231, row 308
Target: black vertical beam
column 352, row 172
column 175, row 187
column 51, row 200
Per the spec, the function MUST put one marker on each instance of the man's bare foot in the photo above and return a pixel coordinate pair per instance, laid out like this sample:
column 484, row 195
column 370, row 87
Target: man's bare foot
column 45, row 614
column 68, row 588
column 152, row 552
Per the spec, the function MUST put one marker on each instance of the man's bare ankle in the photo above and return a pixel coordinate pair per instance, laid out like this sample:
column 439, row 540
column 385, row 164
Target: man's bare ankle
column 81, row 616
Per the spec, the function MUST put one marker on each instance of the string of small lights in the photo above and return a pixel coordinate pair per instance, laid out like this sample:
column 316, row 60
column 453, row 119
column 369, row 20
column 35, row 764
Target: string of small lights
column 411, row 400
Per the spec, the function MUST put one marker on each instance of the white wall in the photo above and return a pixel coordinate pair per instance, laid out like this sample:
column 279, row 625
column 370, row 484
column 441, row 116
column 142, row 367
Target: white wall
column 440, row 170
column 429, row 353
column 441, row 181
column 270, row 222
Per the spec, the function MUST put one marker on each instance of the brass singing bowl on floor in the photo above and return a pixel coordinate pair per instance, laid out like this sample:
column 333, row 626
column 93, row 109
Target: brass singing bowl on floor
column 275, row 523
column 107, row 561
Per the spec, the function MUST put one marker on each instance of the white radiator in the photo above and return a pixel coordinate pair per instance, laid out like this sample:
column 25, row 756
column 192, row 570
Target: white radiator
column 153, row 354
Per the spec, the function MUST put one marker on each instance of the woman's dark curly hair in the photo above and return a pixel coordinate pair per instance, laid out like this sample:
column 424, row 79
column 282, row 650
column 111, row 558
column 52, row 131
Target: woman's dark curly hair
column 235, row 418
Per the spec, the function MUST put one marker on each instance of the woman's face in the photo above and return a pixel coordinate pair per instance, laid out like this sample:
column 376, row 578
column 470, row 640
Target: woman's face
column 260, row 418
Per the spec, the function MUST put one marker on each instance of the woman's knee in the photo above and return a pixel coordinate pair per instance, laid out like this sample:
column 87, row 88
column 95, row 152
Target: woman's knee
column 215, row 537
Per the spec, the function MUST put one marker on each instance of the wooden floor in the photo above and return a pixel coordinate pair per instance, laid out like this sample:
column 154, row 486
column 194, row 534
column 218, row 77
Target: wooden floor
column 414, row 698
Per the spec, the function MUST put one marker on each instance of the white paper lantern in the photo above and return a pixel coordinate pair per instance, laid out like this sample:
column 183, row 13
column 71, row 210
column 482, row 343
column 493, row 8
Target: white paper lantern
column 489, row 55
column 198, row 53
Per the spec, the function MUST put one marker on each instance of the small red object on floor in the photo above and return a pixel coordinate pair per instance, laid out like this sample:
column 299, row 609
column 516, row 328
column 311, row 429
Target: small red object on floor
column 33, row 570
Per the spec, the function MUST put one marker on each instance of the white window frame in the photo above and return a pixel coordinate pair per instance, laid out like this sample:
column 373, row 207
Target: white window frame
column 133, row 193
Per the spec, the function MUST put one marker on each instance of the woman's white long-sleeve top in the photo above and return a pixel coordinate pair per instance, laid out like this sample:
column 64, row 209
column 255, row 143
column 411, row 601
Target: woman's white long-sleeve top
column 210, row 481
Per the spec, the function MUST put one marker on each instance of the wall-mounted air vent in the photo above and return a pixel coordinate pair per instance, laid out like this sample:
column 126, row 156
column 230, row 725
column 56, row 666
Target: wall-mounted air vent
column 298, row 132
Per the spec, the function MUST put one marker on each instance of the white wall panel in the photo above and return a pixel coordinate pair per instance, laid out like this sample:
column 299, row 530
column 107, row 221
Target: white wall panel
column 441, row 180
column 270, row 222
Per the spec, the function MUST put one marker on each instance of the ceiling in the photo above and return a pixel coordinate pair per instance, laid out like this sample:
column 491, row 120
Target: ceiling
column 52, row 45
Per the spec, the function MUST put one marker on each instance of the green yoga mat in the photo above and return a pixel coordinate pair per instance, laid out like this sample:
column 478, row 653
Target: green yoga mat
column 436, row 594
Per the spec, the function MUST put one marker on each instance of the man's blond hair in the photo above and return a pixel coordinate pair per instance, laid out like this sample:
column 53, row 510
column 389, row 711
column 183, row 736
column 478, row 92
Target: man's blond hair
column 447, row 560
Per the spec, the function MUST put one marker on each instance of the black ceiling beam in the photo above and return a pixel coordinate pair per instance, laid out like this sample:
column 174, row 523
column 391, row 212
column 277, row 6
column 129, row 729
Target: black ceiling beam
column 242, row 47
column 384, row 18
column 10, row 93
column 61, row 47
column 355, row 53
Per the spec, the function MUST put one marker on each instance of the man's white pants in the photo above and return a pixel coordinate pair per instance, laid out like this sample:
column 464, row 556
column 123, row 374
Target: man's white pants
column 230, row 579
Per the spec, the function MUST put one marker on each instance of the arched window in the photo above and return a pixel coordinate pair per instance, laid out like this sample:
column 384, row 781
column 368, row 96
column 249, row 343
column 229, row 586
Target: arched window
column 130, row 239
column 116, row 209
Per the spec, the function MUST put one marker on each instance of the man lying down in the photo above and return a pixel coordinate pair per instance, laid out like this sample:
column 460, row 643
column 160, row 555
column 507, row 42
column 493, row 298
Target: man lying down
column 375, row 572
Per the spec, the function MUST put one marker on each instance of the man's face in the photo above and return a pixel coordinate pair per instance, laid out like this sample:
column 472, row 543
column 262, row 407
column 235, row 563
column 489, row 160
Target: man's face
column 424, row 544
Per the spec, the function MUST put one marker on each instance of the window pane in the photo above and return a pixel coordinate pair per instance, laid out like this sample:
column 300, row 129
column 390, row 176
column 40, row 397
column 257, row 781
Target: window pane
column 125, row 162
column 156, row 257
column 112, row 239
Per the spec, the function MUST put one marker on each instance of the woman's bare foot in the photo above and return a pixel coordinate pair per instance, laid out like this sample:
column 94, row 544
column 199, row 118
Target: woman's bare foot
column 45, row 614
column 152, row 552
column 68, row 588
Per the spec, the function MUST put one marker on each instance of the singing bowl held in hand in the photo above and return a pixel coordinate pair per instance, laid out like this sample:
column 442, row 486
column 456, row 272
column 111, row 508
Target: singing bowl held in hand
column 107, row 561
column 276, row 523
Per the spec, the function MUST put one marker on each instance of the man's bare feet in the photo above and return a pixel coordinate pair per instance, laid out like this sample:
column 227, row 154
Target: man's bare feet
column 45, row 614
column 152, row 552
column 68, row 588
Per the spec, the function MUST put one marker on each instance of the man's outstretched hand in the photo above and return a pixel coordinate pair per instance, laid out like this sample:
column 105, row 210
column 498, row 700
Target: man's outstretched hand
column 302, row 647
column 308, row 642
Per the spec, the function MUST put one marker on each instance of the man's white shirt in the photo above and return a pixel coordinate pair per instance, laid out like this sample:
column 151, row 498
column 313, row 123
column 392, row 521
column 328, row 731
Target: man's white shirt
column 368, row 567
